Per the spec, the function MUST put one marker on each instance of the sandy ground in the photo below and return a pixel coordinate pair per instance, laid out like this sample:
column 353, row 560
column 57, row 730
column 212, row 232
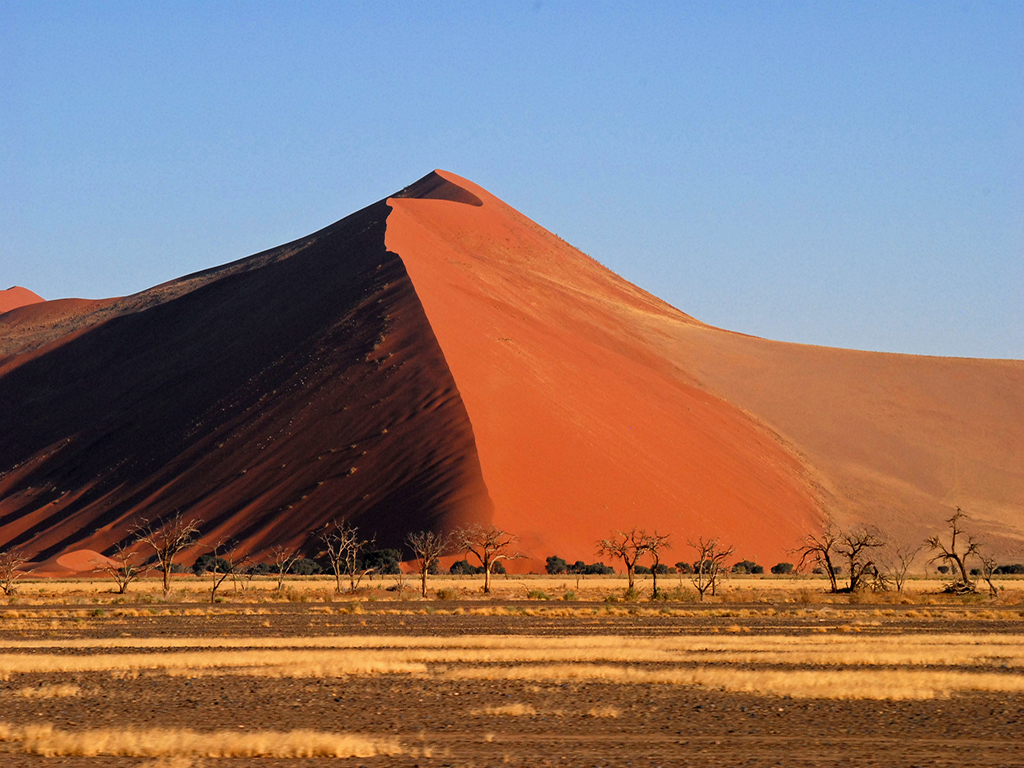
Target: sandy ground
column 450, row 722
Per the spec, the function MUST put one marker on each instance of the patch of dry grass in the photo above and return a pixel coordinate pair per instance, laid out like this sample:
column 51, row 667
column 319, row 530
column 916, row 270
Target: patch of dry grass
column 49, row 741
column 49, row 691
column 507, row 710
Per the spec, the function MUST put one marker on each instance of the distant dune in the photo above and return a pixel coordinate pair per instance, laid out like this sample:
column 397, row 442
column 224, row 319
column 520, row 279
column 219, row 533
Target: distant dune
column 15, row 297
column 437, row 358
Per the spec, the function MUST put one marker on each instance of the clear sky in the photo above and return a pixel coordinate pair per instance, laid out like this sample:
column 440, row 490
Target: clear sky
column 848, row 174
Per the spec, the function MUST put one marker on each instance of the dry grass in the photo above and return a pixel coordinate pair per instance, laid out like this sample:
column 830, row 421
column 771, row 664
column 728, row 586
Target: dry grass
column 608, row 711
column 842, row 665
column 49, row 691
column 506, row 710
column 48, row 741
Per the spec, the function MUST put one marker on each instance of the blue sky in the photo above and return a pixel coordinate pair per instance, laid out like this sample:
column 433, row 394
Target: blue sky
column 848, row 174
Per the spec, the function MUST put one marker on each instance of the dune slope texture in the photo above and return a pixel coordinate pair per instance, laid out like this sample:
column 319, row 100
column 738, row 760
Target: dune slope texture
column 436, row 359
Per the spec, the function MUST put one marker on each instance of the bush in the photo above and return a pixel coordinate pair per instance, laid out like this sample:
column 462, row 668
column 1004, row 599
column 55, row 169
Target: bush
column 599, row 569
column 569, row 596
column 305, row 567
column 943, row 569
column 383, row 561
column 780, row 569
column 745, row 566
column 643, row 570
column 664, row 570
column 464, row 568
column 632, row 594
column 1014, row 569
column 260, row 569
column 684, row 567
column 446, row 594
column 757, row 570
column 498, row 567
column 537, row 594
column 556, row 565
column 205, row 563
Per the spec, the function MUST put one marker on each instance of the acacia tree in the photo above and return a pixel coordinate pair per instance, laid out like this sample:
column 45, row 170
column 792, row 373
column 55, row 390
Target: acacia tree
column 343, row 548
column 856, row 547
column 488, row 544
column 167, row 541
column 656, row 545
column 961, row 546
column 821, row 549
column 627, row 547
column 220, row 567
column 710, row 565
column 428, row 547
column 284, row 559
column 11, row 562
column 896, row 563
column 121, row 567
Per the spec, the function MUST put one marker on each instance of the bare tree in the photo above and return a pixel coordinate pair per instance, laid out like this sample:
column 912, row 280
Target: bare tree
column 821, row 549
column 896, row 563
column 284, row 559
column 343, row 548
column 11, row 562
column 856, row 546
column 656, row 545
column 961, row 546
column 167, row 541
column 121, row 567
column 218, row 565
column 628, row 547
column 988, row 570
column 710, row 566
column 488, row 544
column 428, row 547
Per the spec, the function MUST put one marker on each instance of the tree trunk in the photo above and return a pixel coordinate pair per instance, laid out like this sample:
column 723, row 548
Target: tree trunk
column 487, row 578
column 423, row 577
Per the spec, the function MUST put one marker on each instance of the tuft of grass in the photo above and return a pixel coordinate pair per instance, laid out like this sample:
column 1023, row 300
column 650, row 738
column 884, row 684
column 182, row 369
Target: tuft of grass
column 446, row 594
column 570, row 596
column 537, row 594
column 607, row 711
column 507, row 710
column 48, row 741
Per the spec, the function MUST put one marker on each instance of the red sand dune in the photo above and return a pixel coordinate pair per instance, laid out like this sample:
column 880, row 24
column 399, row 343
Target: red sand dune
column 15, row 297
column 438, row 358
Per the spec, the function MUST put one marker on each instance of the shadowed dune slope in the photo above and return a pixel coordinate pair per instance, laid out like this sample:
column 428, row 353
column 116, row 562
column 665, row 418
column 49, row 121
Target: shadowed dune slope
column 15, row 297
column 582, row 423
column 266, row 398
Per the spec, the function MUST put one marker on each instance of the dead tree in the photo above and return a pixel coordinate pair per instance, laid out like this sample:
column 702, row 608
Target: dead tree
column 710, row 565
column 896, row 563
column 428, row 547
column 821, row 549
column 656, row 545
column 121, row 567
column 988, row 570
column 343, row 548
column 488, row 544
column 856, row 547
column 167, row 541
column 284, row 559
column 11, row 562
column 219, row 567
column 627, row 547
column 955, row 554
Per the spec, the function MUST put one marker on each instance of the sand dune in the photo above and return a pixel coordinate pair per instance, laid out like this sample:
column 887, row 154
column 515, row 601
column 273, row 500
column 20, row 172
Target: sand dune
column 438, row 358
column 15, row 297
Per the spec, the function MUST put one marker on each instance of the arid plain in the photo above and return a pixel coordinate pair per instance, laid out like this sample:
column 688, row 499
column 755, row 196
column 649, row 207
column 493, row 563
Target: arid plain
column 771, row 671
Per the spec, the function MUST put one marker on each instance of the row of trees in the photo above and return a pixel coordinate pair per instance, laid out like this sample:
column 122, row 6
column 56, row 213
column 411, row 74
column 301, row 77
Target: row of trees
column 864, row 556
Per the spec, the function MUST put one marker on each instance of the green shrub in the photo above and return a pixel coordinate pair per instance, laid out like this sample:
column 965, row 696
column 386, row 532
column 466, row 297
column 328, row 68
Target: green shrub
column 632, row 594
column 537, row 594
column 569, row 596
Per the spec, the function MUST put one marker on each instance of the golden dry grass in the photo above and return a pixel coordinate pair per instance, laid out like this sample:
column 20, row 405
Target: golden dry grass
column 841, row 665
column 49, row 741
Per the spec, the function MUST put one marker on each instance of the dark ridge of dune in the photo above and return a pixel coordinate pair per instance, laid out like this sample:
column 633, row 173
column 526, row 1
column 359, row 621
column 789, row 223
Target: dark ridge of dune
column 434, row 186
column 15, row 297
column 267, row 400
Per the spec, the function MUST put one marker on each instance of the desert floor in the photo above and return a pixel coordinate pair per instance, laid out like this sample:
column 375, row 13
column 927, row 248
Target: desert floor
column 771, row 672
